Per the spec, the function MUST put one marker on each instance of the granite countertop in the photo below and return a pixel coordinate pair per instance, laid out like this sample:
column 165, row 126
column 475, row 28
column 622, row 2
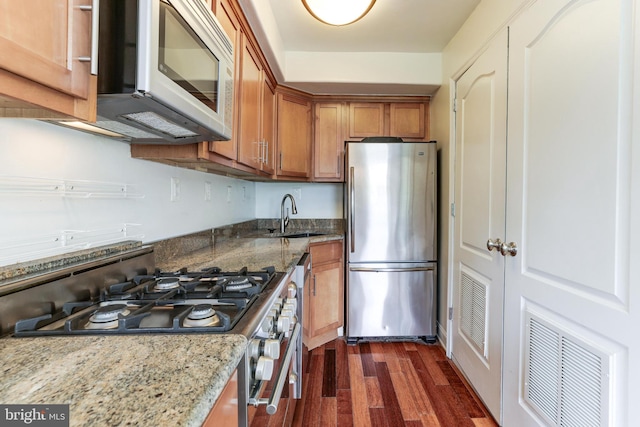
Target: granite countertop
column 244, row 245
column 146, row 380
column 151, row 380
column 233, row 254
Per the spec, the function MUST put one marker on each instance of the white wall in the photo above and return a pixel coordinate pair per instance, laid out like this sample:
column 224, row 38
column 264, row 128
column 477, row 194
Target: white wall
column 484, row 23
column 36, row 149
column 323, row 201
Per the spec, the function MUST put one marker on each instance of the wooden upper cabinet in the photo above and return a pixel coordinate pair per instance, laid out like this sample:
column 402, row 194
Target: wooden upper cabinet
column 39, row 65
column 268, row 129
column 366, row 119
column 294, row 136
column 407, row 120
column 250, row 107
column 329, row 137
column 231, row 25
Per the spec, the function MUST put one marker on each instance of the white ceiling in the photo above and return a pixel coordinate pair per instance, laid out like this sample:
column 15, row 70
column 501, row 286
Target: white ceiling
column 313, row 56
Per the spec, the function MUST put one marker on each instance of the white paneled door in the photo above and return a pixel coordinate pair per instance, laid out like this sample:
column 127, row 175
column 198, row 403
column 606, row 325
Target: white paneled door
column 481, row 108
column 571, row 337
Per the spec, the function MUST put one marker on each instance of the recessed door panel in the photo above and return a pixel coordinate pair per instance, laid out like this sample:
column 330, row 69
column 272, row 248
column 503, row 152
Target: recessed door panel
column 480, row 199
column 572, row 206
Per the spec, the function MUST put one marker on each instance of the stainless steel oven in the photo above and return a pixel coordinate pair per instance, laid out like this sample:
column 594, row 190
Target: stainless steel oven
column 274, row 354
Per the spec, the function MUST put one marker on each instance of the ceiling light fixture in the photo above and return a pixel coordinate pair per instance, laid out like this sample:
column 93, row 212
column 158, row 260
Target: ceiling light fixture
column 338, row 12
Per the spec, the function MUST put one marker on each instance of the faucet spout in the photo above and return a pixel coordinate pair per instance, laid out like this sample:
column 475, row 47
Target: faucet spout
column 284, row 219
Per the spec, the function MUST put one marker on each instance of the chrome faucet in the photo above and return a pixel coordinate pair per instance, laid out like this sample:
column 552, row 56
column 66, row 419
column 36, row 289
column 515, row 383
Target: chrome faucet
column 284, row 220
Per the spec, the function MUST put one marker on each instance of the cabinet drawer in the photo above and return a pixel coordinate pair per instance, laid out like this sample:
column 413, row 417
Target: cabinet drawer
column 326, row 252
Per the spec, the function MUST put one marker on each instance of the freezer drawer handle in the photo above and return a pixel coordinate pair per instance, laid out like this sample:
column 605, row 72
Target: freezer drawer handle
column 390, row 270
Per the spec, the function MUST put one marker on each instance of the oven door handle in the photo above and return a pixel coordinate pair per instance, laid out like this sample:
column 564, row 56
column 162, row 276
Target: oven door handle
column 283, row 373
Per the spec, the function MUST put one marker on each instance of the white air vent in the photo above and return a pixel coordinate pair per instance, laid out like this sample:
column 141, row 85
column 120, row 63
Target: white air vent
column 566, row 381
column 473, row 302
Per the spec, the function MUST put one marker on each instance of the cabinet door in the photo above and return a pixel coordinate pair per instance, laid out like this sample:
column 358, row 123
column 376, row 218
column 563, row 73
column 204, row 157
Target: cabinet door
column 366, row 119
column 268, row 139
column 328, row 149
column 407, row 120
column 326, row 294
column 294, row 136
column 40, row 63
column 231, row 25
column 250, row 107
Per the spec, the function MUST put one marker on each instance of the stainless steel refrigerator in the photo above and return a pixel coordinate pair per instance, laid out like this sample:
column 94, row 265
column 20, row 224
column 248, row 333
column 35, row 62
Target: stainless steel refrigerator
column 390, row 207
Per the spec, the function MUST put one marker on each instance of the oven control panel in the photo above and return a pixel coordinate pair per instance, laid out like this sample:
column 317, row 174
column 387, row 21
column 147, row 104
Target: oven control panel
column 266, row 346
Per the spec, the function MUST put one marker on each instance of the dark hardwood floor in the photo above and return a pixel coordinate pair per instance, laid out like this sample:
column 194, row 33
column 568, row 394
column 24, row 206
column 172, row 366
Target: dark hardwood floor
column 386, row 384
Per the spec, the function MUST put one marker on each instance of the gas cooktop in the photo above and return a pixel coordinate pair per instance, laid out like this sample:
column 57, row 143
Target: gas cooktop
column 210, row 300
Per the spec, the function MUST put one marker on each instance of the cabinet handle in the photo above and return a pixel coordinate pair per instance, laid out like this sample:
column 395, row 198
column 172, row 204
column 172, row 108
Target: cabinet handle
column 266, row 152
column 93, row 58
column 281, row 161
column 338, row 165
column 314, row 285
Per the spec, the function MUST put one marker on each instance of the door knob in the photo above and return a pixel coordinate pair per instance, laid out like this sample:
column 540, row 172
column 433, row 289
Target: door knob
column 493, row 244
column 508, row 249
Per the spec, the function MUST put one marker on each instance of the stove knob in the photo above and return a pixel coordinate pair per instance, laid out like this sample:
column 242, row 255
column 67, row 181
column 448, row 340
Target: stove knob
column 254, row 349
column 292, row 289
column 284, row 323
column 267, row 324
column 271, row 348
column 278, row 304
column 264, row 368
column 292, row 320
column 273, row 312
column 287, row 312
column 290, row 305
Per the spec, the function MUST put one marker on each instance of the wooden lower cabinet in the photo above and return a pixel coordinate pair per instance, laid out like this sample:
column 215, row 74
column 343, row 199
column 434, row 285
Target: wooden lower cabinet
column 225, row 411
column 324, row 297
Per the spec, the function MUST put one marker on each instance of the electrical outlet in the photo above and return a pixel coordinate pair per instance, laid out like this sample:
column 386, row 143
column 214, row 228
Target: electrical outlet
column 207, row 191
column 229, row 193
column 244, row 193
column 175, row 189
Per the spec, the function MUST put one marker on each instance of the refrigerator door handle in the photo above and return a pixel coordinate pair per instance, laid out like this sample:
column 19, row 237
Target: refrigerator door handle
column 390, row 270
column 352, row 208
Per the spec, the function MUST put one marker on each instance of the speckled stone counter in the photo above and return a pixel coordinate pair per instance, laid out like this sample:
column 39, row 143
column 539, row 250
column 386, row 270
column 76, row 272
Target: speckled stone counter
column 233, row 254
column 142, row 380
column 148, row 380
column 35, row 267
column 243, row 245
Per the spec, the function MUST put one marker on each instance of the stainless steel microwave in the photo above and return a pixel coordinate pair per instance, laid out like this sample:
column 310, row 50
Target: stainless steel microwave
column 165, row 72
